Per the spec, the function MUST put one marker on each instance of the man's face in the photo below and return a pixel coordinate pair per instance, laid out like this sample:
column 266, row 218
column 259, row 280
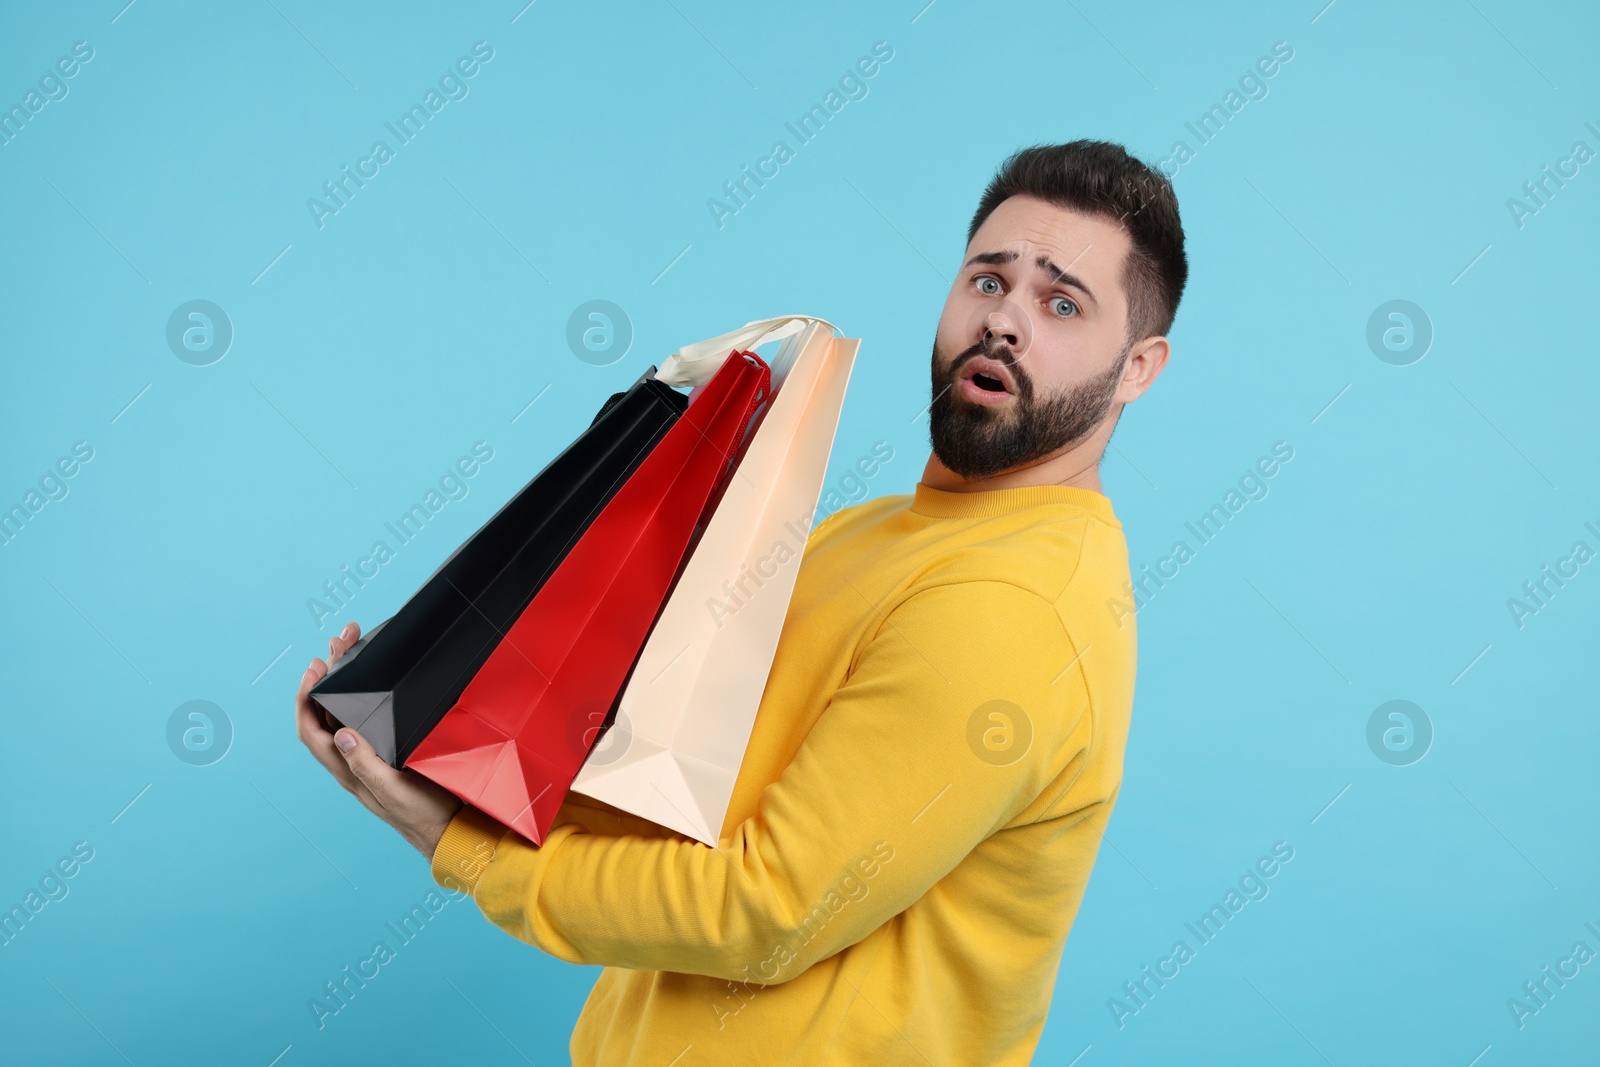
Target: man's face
column 1031, row 346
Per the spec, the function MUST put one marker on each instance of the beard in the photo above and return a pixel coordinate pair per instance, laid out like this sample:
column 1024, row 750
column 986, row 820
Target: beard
column 978, row 441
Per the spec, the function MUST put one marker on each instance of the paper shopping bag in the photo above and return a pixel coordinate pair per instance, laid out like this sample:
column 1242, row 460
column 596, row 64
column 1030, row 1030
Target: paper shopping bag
column 686, row 715
column 400, row 678
column 521, row 728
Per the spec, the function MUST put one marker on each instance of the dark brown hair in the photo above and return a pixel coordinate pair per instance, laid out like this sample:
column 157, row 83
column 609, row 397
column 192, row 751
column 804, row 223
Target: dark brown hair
column 1101, row 178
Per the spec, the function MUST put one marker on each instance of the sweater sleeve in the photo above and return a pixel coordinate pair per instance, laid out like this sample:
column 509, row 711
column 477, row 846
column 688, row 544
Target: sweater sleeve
column 963, row 707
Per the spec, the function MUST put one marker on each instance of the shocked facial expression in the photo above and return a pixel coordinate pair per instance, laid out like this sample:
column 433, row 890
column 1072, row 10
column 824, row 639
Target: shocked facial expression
column 1030, row 351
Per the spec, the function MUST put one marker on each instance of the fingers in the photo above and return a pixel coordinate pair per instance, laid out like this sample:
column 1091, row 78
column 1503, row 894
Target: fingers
column 304, row 701
column 340, row 643
column 319, row 740
column 361, row 761
column 418, row 808
column 327, row 754
column 312, row 725
column 313, row 674
column 308, row 714
column 376, row 783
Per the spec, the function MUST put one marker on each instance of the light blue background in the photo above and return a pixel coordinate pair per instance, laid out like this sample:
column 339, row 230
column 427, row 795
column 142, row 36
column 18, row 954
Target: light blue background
column 423, row 318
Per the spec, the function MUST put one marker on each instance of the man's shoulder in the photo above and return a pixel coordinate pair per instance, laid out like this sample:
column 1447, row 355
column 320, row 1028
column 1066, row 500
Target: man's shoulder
column 1057, row 553
column 867, row 512
column 1067, row 555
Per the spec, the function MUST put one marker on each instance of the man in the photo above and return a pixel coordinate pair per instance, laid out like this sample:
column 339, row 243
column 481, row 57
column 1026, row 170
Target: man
column 940, row 742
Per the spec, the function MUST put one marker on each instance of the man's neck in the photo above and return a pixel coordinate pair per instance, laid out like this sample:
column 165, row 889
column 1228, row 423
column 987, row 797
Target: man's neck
column 940, row 477
column 1078, row 466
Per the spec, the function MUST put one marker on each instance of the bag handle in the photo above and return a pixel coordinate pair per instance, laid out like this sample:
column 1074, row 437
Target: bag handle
column 695, row 364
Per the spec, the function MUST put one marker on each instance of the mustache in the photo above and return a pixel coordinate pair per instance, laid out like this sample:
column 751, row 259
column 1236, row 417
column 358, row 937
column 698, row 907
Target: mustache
column 1000, row 353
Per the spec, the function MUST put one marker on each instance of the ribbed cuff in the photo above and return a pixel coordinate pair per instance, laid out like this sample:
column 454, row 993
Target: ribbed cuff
column 465, row 849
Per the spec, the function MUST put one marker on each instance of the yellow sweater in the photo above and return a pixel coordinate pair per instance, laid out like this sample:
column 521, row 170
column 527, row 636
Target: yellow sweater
column 936, row 754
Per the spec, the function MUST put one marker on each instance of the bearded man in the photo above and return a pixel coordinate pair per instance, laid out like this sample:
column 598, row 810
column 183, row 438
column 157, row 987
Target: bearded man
column 941, row 737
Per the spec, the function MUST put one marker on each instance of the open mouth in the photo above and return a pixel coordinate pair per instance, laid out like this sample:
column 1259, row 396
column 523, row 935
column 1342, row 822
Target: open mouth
column 986, row 380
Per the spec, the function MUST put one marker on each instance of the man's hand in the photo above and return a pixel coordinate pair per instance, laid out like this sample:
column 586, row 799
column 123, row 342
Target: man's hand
column 410, row 803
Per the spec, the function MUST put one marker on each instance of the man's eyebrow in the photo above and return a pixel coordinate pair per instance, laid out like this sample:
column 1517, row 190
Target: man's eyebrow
column 991, row 258
column 1065, row 278
column 1043, row 262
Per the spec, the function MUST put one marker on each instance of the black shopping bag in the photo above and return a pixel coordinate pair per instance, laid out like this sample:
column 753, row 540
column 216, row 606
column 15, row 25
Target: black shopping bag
column 397, row 682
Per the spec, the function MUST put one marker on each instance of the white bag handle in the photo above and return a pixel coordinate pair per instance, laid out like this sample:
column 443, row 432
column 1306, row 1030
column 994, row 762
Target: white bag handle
column 695, row 364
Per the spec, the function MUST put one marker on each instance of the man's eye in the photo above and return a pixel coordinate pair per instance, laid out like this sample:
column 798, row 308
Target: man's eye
column 987, row 284
column 1063, row 307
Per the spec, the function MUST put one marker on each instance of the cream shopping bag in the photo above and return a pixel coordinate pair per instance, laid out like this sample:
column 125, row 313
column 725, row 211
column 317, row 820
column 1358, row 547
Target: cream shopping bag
column 686, row 714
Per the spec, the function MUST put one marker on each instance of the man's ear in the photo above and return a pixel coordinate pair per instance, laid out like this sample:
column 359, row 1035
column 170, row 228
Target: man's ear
column 1144, row 364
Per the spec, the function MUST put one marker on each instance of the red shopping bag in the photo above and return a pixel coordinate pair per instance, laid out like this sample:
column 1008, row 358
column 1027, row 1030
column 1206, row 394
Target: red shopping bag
column 523, row 726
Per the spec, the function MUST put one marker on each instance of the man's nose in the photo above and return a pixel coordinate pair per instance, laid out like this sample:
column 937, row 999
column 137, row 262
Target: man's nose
column 1003, row 328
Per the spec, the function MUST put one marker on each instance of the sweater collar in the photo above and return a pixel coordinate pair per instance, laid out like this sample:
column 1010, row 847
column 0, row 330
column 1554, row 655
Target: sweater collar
column 942, row 504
